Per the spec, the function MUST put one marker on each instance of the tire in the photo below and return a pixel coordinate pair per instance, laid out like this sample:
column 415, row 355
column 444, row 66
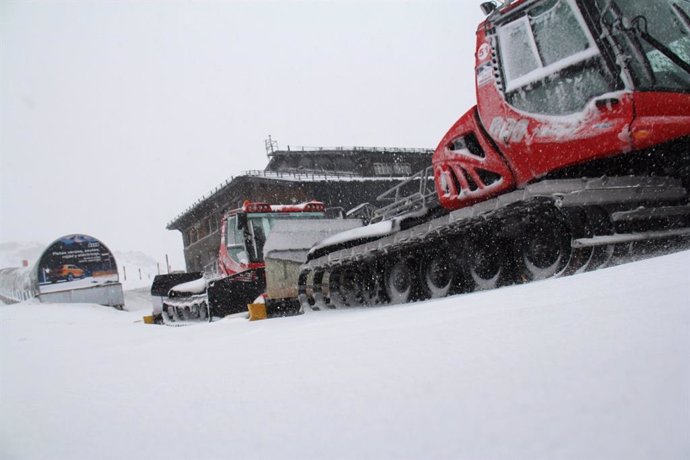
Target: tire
column 318, row 299
column 544, row 249
column 438, row 274
column 398, row 282
column 485, row 262
column 351, row 287
column 334, row 289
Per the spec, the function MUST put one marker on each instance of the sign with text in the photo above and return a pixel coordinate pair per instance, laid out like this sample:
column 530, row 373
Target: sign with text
column 76, row 262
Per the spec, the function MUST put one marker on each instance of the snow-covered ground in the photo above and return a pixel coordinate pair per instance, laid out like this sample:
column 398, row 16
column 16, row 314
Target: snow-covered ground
column 594, row 366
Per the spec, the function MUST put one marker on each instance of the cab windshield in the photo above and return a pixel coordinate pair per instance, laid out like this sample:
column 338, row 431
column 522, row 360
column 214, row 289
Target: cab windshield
column 245, row 238
column 550, row 60
column 260, row 225
column 655, row 38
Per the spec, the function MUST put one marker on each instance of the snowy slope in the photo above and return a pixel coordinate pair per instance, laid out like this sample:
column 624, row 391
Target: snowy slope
column 594, row 366
column 13, row 253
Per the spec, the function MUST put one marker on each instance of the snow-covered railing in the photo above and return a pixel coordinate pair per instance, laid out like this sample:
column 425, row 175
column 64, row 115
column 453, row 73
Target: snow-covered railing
column 414, row 194
column 306, row 149
column 17, row 284
column 309, row 174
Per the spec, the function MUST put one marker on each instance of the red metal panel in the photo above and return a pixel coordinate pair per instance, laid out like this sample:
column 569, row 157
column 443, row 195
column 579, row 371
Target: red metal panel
column 536, row 144
column 457, row 173
column 660, row 117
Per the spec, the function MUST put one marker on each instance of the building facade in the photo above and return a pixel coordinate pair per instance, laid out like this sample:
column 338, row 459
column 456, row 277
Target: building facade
column 339, row 177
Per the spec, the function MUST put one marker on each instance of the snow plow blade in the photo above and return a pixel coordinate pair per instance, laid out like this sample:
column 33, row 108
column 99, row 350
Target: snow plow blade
column 162, row 284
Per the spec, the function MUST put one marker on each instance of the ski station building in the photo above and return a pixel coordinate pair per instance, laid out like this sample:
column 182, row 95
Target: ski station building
column 342, row 178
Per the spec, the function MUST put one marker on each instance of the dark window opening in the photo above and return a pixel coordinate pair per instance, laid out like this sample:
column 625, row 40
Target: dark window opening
column 473, row 146
column 488, row 177
column 469, row 143
column 470, row 182
column 455, row 180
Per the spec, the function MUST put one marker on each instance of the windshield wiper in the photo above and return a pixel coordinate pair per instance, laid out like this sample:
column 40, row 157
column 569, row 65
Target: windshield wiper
column 635, row 46
column 640, row 26
column 684, row 18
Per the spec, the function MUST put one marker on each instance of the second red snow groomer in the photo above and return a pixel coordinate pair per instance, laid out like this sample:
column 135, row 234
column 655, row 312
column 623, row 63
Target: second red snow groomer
column 240, row 276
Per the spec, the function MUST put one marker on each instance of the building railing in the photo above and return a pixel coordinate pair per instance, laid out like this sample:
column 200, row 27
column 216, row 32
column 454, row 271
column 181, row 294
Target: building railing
column 307, row 149
column 300, row 173
column 297, row 174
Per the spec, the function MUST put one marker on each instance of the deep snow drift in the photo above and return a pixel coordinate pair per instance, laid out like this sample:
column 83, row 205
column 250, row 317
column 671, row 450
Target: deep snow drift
column 586, row 367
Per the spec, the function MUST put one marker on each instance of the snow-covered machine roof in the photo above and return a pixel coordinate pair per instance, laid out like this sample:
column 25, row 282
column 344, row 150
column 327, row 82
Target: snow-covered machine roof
column 292, row 239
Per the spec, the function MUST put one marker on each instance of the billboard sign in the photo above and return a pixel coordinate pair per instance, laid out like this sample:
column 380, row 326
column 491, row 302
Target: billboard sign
column 75, row 262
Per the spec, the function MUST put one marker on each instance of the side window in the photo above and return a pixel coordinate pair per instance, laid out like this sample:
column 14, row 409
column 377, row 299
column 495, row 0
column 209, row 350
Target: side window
column 235, row 242
column 260, row 228
column 518, row 51
column 550, row 62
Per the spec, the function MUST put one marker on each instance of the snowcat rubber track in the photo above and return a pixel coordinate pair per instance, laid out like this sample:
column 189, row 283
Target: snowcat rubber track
column 550, row 228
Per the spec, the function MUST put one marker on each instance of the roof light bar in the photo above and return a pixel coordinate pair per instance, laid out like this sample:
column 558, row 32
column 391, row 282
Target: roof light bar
column 249, row 206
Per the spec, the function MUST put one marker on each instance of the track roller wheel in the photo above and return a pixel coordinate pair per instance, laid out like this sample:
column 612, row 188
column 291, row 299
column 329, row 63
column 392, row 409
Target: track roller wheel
column 398, row 282
column 438, row 273
column 302, row 290
column 326, row 290
column 371, row 284
column 335, row 281
column 317, row 290
column 544, row 249
column 352, row 287
column 598, row 223
column 486, row 260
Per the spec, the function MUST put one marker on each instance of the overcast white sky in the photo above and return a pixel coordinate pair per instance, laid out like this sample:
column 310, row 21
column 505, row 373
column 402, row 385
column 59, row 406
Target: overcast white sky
column 115, row 116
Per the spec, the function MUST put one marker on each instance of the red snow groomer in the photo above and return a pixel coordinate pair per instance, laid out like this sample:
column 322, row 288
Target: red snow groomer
column 240, row 276
column 578, row 149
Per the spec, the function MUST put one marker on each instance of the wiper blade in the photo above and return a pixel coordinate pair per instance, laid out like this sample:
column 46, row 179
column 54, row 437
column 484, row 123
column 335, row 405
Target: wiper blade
column 640, row 25
column 620, row 23
column 685, row 19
